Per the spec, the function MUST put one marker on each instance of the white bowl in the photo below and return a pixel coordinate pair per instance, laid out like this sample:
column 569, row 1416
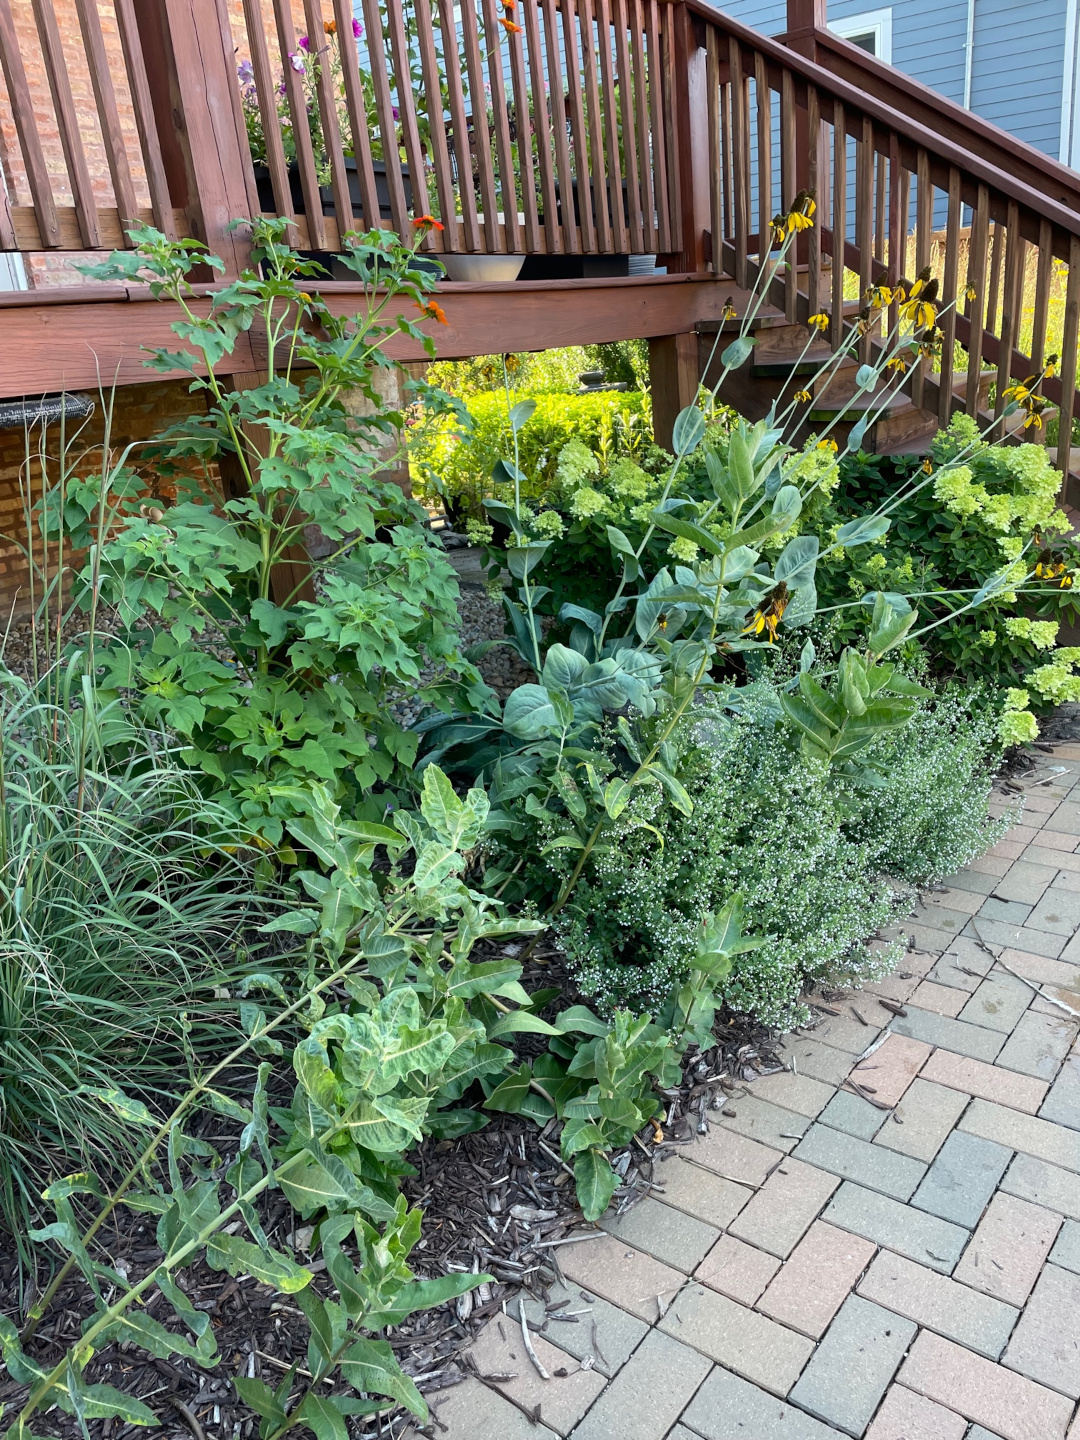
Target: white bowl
column 487, row 269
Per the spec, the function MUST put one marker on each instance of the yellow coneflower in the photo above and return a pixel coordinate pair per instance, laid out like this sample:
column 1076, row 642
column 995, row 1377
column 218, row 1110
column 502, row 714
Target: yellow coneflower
column 820, row 321
column 1020, row 390
column 880, row 297
column 801, row 396
column 769, row 613
column 920, row 308
column 1049, row 566
column 779, row 229
column 897, row 363
column 801, row 211
column 1050, row 368
column 828, row 444
column 928, row 466
column 730, row 313
column 970, row 293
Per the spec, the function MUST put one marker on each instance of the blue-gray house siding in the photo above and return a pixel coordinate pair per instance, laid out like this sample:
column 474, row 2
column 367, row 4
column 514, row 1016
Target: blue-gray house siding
column 1023, row 67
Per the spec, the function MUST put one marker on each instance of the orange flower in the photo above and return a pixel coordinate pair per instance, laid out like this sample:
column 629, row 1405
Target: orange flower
column 433, row 311
column 426, row 223
column 329, row 27
column 509, row 26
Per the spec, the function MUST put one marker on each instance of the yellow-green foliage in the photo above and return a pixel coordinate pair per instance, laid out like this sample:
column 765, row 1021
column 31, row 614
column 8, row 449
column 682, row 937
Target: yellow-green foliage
column 447, row 462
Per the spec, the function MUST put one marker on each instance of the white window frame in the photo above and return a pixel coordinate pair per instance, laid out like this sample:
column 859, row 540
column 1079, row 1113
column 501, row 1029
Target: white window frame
column 875, row 22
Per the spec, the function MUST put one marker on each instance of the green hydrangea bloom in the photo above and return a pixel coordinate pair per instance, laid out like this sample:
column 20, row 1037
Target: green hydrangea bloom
column 988, row 637
column 876, row 564
column 628, row 481
column 954, row 488
column 684, row 550
column 1041, row 633
column 587, row 502
column 1055, row 682
column 575, row 464
column 549, row 524
column 1017, row 727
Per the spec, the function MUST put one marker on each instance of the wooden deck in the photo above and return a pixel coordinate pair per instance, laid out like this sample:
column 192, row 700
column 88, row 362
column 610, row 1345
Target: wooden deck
column 597, row 129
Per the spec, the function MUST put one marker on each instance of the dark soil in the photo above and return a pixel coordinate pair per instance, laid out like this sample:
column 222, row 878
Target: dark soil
column 493, row 1202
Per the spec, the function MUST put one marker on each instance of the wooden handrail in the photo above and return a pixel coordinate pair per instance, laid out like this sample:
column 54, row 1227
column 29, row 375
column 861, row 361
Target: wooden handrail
column 934, row 111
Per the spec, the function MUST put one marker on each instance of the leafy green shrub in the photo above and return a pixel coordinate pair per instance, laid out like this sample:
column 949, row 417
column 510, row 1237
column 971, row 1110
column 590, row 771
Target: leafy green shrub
column 121, row 910
column 455, row 462
column 987, row 506
column 811, row 855
column 278, row 676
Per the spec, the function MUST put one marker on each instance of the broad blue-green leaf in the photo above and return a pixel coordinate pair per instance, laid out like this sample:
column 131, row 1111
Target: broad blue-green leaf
column 865, row 377
column 596, row 1183
column 530, row 712
column 521, row 1022
column 258, row 1396
column 797, row 561
column 738, row 352
column 521, row 414
column 563, row 667
column 858, row 433
column 688, row 530
column 688, row 431
column 580, row 1020
column 863, row 530
column 369, row 1367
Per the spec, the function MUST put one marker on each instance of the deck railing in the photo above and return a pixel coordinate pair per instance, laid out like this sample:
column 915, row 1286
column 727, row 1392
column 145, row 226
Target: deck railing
column 544, row 127
column 886, row 183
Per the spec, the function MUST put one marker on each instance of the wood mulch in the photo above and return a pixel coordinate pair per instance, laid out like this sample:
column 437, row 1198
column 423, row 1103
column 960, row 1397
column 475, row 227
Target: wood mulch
column 495, row 1202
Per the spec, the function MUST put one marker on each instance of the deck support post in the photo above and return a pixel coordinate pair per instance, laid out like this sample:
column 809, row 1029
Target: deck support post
column 674, row 374
column 191, row 66
column 691, row 104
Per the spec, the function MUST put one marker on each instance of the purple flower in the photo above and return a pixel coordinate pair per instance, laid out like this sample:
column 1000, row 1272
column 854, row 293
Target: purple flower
column 246, row 71
column 357, row 29
column 297, row 62
column 394, row 112
column 303, row 43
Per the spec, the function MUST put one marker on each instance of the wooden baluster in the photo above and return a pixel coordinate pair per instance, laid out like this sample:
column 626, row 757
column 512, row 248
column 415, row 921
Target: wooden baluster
column 864, row 219
column 629, row 135
column 880, row 195
column 22, row 108
column 266, row 89
column 356, row 110
column 1069, row 341
column 503, row 145
column 305, row 153
column 661, row 179
column 813, row 183
column 578, row 129
column 141, row 102
column 669, row 49
column 725, row 145
column 977, row 244
column 112, row 134
column 523, row 126
column 950, row 296
column 543, row 123
column 650, row 236
column 326, row 96
column 740, row 147
column 459, row 129
column 1043, row 273
column 67, row 122
column 470, row 40
column 440, row 151
column 763, row 107
column 570, row 201
column 994, row 288
column 789, row 188
column 897, row 228
column 716, row 168
column 614, row 158
column 924, row 216
column 839, row 223
column 598, row 196
column 1010, row 303
column 410, row 131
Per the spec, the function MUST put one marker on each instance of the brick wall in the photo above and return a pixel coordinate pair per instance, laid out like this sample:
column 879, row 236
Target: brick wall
column 139, row 412
column 57, row 268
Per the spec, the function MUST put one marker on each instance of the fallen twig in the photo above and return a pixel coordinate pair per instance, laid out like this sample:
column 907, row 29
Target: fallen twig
column 527, row 1338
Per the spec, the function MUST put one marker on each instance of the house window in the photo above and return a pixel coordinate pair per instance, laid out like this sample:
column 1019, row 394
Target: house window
column 871, row 31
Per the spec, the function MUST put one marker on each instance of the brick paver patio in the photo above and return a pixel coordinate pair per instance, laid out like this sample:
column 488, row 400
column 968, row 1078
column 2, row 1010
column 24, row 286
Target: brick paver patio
column 883, row 1240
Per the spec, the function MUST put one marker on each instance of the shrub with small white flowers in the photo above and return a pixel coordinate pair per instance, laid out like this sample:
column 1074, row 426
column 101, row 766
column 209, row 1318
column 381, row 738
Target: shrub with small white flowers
column 820, row 864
